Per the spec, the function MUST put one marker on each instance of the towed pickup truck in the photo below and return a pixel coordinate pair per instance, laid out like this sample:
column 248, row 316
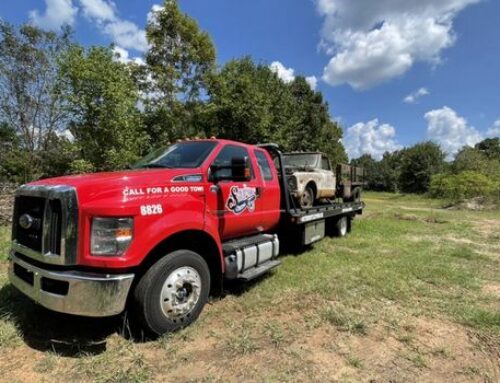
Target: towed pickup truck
column 310, row 179
column 157, row 240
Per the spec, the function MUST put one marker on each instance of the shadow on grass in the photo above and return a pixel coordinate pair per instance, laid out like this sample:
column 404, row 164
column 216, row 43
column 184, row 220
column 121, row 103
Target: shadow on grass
column 44, row 330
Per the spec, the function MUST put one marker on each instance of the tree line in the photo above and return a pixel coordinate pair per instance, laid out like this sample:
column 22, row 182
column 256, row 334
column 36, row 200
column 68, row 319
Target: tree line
column 67, row 109
column 474, row 171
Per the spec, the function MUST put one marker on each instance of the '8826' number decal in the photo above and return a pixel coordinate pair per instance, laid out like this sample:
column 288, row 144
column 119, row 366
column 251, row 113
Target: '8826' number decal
column 151, row 209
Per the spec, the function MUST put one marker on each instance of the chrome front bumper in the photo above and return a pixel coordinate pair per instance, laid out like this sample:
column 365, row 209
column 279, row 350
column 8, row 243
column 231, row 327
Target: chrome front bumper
column 71, row 292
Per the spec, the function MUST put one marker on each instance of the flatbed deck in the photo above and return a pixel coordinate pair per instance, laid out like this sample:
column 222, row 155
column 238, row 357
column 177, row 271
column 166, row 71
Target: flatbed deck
column 325, row 211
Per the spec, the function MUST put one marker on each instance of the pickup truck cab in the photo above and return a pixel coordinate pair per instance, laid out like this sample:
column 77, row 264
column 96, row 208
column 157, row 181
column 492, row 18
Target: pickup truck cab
column 158, row 239
column 310, row 177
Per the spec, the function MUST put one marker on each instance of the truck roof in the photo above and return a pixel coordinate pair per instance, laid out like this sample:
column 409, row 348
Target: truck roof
column 222, row 141
column 298, row 153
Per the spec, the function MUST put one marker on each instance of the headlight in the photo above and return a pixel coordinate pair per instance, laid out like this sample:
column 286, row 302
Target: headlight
column 292, row 183
column 111, row 236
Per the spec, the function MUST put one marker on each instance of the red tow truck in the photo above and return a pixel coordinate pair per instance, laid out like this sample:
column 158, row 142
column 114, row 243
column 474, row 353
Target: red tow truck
column 158, row 239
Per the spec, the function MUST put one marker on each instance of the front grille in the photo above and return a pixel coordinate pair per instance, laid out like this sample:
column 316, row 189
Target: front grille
column 53, row 227
column 45, row 223
column 33, row 207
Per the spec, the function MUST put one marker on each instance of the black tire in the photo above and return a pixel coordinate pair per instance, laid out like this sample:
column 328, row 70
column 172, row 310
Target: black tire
column 148, row 304
column 342, row 227
column 307, row 198
column 355, row 196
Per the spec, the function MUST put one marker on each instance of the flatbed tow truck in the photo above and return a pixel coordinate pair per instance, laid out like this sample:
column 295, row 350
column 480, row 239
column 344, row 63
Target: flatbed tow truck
column 157, row 240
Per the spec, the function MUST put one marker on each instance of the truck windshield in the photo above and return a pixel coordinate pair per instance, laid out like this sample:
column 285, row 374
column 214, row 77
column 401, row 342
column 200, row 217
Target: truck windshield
column 301, row 160
column 187, row 154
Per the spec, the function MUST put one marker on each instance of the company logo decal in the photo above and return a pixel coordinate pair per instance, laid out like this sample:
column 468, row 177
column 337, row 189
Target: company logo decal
column 240, row 199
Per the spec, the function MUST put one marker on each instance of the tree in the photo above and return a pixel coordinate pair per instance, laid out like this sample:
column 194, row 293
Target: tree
column 470, row 159
column 461, row 186
column 32, row 101
column 418, row 164
column 103, row 98
column 179, row 62
column 315, row 130
column 490, row 147
column 247, row 101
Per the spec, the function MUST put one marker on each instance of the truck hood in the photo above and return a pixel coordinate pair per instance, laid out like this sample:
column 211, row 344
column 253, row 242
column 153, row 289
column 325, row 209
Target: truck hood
column 118, row 186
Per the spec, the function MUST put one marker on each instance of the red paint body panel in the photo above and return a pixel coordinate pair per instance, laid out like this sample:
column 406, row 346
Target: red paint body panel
column 201, row 206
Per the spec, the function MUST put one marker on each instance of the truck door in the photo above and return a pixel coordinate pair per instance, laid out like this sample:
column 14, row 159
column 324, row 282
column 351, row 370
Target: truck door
column 329, row 185
column 237, row 205
column 271, row 191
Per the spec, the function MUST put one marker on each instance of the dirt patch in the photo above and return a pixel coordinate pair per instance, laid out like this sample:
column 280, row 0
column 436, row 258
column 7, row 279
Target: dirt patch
column 474, row 204
column 410, row 217
column 493, row 289
column 488, row 228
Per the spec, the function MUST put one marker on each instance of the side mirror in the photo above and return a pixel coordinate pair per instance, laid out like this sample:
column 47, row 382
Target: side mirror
column 238, row 171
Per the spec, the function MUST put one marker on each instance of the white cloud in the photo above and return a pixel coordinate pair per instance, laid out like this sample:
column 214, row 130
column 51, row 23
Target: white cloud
column 494, row 131
column 374, row 41
column 370, row 138
column 127, row 34
column 123, row 32
column 312, row 81
column 99, row 10
column 152, row 13
column 413, row 97
column 284, row 73
column 123, row 56
column 67, row 135
column 451, row 131
column 288, row 74
column 57, row 13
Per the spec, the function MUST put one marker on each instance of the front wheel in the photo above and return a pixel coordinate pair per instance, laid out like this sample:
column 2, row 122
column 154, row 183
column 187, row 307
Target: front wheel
column 172, row 293
column 307, row 198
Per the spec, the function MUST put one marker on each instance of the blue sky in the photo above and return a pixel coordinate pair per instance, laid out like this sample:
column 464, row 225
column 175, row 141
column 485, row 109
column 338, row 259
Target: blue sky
column 394, row 72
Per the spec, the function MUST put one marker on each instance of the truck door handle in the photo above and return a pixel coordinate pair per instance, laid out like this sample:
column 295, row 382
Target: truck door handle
column 258, row 191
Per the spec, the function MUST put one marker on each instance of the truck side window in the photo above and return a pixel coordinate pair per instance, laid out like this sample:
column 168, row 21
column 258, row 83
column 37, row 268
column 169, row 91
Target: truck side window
column 264, row 167
column 225, row 157
column 325, row 164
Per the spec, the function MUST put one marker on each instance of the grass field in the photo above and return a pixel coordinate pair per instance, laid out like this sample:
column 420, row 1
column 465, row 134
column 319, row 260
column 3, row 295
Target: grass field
column 412, row 294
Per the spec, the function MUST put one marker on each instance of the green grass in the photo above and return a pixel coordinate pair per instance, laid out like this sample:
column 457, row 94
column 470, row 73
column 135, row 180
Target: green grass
column 4, row 242
column 405, row 260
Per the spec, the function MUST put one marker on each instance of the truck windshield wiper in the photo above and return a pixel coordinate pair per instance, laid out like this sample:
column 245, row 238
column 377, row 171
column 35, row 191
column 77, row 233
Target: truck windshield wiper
column 154, row 166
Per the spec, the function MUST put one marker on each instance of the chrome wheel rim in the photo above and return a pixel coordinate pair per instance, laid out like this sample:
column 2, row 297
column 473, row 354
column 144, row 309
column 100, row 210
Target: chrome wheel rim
column 343, row 226
column 307, row 198
column 180, row 293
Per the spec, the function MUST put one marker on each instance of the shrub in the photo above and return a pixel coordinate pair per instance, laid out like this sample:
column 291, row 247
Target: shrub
column 464, row 185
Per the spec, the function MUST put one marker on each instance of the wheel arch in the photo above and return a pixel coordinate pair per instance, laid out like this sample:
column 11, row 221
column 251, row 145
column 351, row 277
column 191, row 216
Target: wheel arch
column 198, row 241
column 314, row 187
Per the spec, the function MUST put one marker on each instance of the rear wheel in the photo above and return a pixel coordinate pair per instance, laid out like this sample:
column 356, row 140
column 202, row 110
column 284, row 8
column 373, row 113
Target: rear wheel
column 341, row 227
column 356, row 195
column 307, row 198
column 172, row 293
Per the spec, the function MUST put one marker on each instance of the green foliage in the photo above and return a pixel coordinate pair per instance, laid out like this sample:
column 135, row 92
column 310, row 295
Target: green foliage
column 490, row 147
column 32, row 101
column 103, row 99
column 381, row 175
column 247, row 101
column 418, row 164
column 179, row 63
column 461, row 186
column 473, row 173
